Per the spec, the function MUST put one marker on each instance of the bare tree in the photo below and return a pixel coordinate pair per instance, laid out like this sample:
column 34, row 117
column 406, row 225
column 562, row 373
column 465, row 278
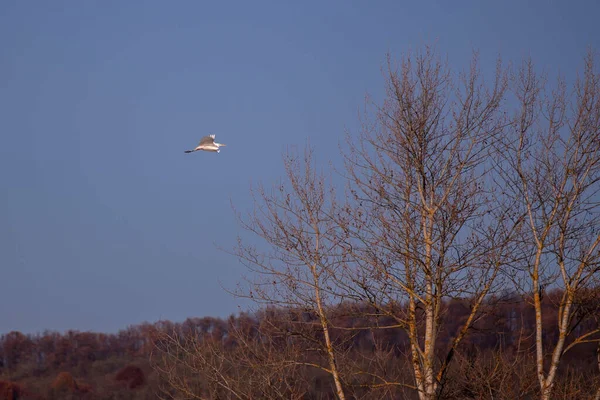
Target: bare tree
column 425, row 221
column 597, row 396
column 551, row 169
column 249, row 362
column 294, row 220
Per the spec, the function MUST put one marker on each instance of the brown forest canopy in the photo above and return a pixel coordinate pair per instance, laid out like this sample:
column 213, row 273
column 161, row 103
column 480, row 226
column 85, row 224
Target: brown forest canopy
column 97, row 360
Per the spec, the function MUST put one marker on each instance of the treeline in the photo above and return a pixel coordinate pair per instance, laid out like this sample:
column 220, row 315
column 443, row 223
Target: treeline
column 251, row 353
column 86, row 365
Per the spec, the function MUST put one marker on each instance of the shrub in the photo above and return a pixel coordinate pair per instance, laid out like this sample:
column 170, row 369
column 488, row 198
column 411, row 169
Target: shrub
column 134, row 376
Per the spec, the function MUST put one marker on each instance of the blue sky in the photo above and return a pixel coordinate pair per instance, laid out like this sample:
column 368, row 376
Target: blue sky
column 105, row 222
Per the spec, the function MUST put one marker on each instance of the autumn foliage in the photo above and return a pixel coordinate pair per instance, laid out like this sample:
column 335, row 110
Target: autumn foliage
column 64, row 381
column 132, row 375
column 10, row 390
column 13, row 391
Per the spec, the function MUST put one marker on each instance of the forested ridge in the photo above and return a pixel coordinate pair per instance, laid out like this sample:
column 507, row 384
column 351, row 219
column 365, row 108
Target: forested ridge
column 130, row 364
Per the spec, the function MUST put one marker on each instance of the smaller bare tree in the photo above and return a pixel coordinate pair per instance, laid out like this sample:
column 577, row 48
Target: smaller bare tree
column 551, row 169
column 250, row 361
column 294, row 221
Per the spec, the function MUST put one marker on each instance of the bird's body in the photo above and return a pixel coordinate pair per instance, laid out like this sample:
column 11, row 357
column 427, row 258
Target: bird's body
column 207, row 143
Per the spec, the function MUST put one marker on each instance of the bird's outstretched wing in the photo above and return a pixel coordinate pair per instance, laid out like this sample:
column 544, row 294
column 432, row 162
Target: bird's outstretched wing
column 210, row 139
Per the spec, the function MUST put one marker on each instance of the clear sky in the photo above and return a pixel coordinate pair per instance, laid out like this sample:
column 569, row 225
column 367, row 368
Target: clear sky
column 105, row 222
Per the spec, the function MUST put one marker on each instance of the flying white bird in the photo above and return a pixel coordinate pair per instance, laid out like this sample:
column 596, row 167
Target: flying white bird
column 207, row 143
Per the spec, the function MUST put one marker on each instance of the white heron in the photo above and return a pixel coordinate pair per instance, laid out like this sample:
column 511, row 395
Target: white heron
column 207, row 143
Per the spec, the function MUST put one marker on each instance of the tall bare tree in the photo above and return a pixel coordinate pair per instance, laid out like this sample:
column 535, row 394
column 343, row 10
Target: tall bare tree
column 551, row 168
column 426, row 222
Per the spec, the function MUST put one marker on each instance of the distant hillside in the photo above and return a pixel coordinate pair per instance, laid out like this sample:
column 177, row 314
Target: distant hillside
column 86, row 365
